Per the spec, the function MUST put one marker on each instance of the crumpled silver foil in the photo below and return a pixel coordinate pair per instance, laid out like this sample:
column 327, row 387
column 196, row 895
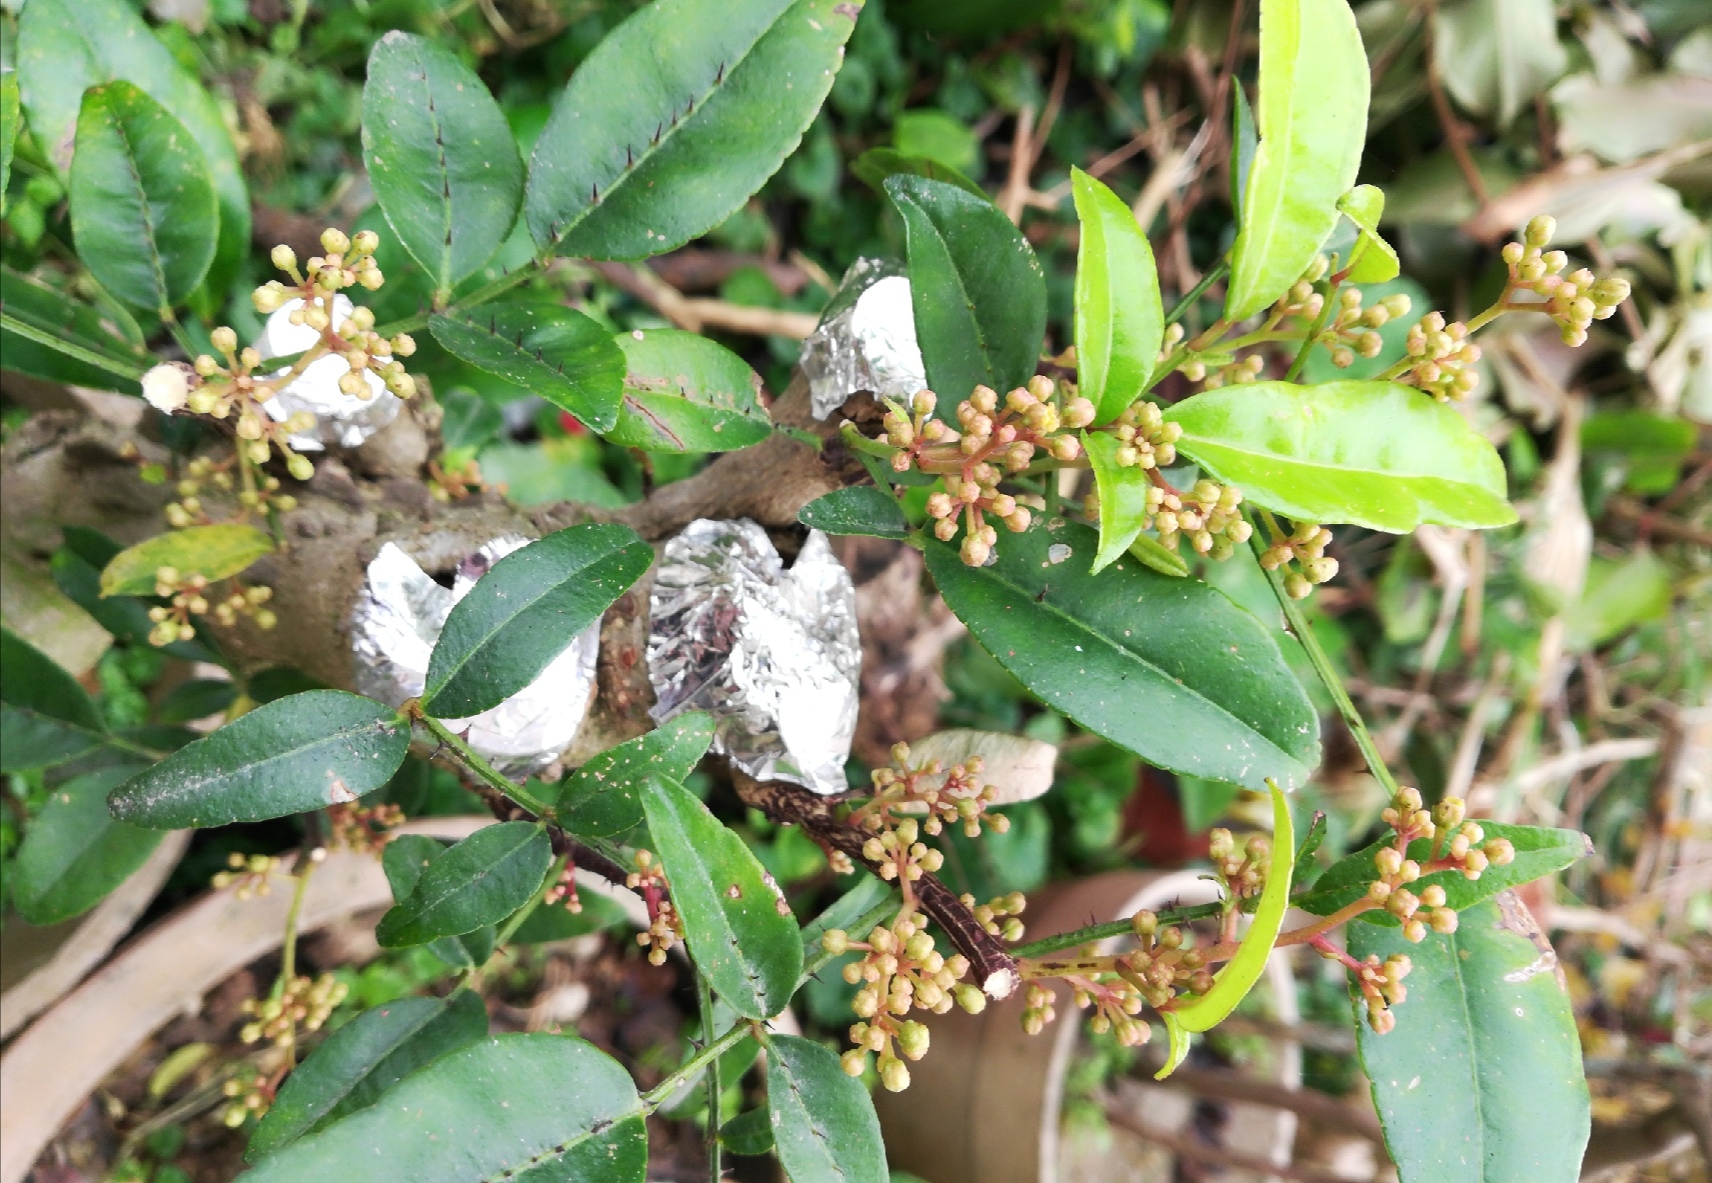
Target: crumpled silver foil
column 772, row 654
column 865, row 340
column 340, row 418
column 398, row 619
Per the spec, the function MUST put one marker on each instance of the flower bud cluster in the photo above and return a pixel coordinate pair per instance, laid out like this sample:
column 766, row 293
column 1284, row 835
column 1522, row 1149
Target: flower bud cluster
column 361, row 830
column 897, row 854
column 993, row 439
column 252, row 874
column 189, row 596
column 900, row 971
column 247, row 1095
column 939, row 796
column 564, row 890
column 1306, row 548
column 348, row 262
column 992, row 915
column 665, row 926
column 304, row 1004
column 1146, row 440
column 1457, row 845
column 1242, row 870
column 202, row 471
column 1352, row 331
column 1575, row 300
column 1441, row 358
column 1165, row 963
column 1231, row 373
column 1381, row 985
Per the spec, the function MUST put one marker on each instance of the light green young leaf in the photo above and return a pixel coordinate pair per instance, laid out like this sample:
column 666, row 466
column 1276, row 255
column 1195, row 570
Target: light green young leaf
column 1376, row 454
column 679, row 115
column 217, row 552
column 8, row 128
column 1313, row 123
column 1120, row 320
column 739, row 929
column 1372, row 260
column 46, row 718
column 685, row 393
column 1481, row 1081
column 441, row 157
column 824, row 1125
column 480, row 881
column 542, row 1108
column 1618, row 595
column 1497, row 55
column 67, row 46
column 74, row 854
column 1123, row 499
column 1245, row 141
column 142, row 202
column 305, row 751
column 557, row 353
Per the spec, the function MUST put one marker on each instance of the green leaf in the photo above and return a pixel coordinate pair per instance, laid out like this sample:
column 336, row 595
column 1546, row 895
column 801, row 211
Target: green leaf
column 684, row 393
column 739, row 930
column 45, row 716
column 976, row 286
column 1481, row 1080
column 679, row 114
column 197, row 699
column 1313, row 123
column 1166, row 668
column 862, row 509
column 1539, row 852
column 216, row 552
column 1617, row 595
column 1153, row 554
column 67, row 46
column 554, row 352
column 308, row 751
column 1375, row 454
column 441, row 156
column 930, row 134
column 86, row 329
column 362, row 1060
column 480, row 881
column 8, row 126
column 876, row 164
column 825, row 1129
column 1496, row 55
column 142, row 203
column 604, row 796
column 1245, row 141
column 405, row 859
column 537, row 1108
column 525, row 611
column 1123, row 501
column 1372, row 259
column 1640, row 434
column 748, row 1133
column 74, row 853
column 1120, row 321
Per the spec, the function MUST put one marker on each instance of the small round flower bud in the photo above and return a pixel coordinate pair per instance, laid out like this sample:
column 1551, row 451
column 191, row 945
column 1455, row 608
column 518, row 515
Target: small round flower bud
column 299, row 467
column 1415, row 932
column 224, row 339
column 835, row 941
column 853, row 1061
column 1540, row 230
column 334, row 241
column 283, row 257
column 1443, row 921
column 894, row 1075
column 365, row 242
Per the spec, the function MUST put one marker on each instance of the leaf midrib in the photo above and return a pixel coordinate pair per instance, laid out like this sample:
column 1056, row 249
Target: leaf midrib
column 455, row 886
column 727, row 931
column 563, row 1148
column 185, row 785
column 129, row 153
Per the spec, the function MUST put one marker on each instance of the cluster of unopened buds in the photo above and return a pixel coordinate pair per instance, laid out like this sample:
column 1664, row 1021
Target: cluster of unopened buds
column 665, row 926
column 1208, row 515
column 1440, row 358
column 1242, row 871
column 1353, row 333
column 247, row 1095
column 363, row 830
column 900, row 970
column 250, row 872
column 1145, row 439
column 564, row 891
column 188, row 510
column 1230, row 373
column 999, row 916
column 995, row 437
column 897, row 854
column 189, row 596
column 1305, row 548
column 1575, row 300
column 942, row 796
column 1457, row 845
column 1381, row 985
column 303, row 1004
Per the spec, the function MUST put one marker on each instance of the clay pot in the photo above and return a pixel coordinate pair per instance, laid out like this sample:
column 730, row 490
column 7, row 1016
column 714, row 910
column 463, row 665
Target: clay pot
column 985, row 1104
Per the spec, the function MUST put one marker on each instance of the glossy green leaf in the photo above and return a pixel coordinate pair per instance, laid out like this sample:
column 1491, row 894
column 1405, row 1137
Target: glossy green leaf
column 308, row 751
column 441, row 157
column 1153, row 554
column 525, row 611
column 861, row 509
column 976, row 286
column 535, row 1108
column 8, row 127
column 1539, row 852
column 197, row 699
column 67, row 46
column 739, row 929
column 217, row 552
column 604, row 796
column 552, row 351
column 1496, row 55
column 1120, row 321
column 74, row 853
column 1617, row 595
column 142, row 202
column 45, row 716
column 1375, row 454
column 1245, row 141
column 1123, row 499
column 1167, row 668
column 1481, row 1080
column 749, row 1133
column 825, row 1129
column 481, row 880
column 362, row 1060
column 685, row 393
column 1313, row 123
column 62, row 318
column 680, row 113
column 1372, row 259
column 406, row 858
column 876, row 164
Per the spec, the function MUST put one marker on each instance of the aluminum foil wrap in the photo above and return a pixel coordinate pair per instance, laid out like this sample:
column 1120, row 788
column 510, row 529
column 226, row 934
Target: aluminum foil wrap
column 865, row 341
column 772, row 653
column 340, row 418
column 398, row 619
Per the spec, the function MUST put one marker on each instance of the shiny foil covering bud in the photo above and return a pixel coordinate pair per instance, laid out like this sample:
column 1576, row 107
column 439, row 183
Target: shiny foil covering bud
column 771, row 652
column 865, row 341
column 398, row 619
